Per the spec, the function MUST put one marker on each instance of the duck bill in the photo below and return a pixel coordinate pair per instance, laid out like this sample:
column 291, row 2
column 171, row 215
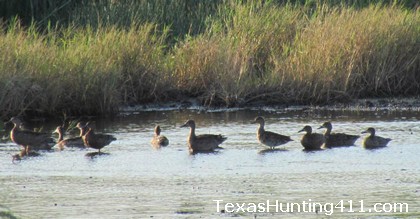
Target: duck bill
column 183, row 126
column 364, row 132
column 302, row 130
column 321, row 127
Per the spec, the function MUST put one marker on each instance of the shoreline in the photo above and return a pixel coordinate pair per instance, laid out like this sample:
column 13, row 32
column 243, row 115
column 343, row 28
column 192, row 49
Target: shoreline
column 364, row 104
column 393, row 104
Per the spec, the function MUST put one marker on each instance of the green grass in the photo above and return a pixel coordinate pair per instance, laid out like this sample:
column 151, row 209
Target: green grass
column 227, row 54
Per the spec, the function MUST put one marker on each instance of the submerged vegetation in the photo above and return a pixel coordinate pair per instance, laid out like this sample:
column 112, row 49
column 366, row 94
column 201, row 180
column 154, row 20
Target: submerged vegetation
column 97, row 56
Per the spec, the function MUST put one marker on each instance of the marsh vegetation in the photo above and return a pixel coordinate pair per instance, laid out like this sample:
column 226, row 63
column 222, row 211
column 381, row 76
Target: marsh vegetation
column 91, row 57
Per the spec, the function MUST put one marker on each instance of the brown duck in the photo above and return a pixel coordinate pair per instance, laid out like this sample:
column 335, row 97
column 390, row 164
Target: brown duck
column 202, row 143
column 311, row 141
column 337, row 139
column 373, row 141
column 96, row 141
column 267, row 138
column 29, row 139
column 69, row 142
column 159, row 140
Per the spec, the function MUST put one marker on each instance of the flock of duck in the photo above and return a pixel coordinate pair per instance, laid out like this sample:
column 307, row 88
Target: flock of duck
column 35, row 141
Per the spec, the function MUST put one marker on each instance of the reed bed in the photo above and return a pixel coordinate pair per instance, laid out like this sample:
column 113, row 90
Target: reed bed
column 233, row 53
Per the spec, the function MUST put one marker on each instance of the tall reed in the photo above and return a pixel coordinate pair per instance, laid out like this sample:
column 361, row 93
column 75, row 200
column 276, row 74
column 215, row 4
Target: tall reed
column 78, row 70
column 286, row 54
column 244, row 52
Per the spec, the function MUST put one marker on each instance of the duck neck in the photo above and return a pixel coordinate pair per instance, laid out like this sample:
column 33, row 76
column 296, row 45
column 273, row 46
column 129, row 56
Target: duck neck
column 82, row 131
column 192, row 132
column 328, row 131
column 89, row 132
column 15, row 128
column 60, row 136
column 261, row 128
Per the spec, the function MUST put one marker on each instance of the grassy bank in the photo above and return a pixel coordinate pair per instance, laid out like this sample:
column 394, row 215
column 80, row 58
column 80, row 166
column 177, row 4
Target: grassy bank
column 235, row 54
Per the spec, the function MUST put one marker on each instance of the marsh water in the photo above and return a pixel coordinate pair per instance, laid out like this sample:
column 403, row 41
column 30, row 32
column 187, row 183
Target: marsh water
column 133, row 180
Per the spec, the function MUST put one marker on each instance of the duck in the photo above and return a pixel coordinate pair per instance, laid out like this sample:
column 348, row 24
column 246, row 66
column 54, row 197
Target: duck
column 337, row 139
column 267, row 138
column 96, row 141
column 311, row 141
column 29, row 139
column 373, row 141
column 69, row 142
column 159, row 140
column 202, row 143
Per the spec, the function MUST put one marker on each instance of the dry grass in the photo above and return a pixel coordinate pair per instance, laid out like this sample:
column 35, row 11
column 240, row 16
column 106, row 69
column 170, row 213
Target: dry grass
column 82, row 71
column 248, row 53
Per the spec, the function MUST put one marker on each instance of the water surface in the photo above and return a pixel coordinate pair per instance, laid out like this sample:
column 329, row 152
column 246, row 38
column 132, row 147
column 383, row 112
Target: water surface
column 136, row 181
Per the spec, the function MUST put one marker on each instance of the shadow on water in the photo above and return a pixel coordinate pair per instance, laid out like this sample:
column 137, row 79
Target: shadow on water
column 96, row 154
column 375, row 148
column 313, row 150
column 22, row 155
column 204, row 152
column 269, row 151
column 341, row 146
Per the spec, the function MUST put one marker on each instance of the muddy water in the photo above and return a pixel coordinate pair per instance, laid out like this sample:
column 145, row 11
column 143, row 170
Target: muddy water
column 135, row 181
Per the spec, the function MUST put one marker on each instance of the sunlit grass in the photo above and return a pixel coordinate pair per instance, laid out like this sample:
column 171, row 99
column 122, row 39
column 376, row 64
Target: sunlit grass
column 78, row 70
column 245, row 53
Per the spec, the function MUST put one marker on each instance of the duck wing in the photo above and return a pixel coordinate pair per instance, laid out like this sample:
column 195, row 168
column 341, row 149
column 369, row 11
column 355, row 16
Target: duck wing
column 207, row 142
column 273, row 139
column 72, row 142
column 25, row 137
column 382, row 141
column 162, row 140
column 159, row 140
column 375, row 141
column 340, row 139
column 103, row 139
column 313, row 141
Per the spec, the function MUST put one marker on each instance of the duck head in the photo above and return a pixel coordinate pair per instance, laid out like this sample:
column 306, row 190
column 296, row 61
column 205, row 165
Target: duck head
column 157, row 130
column 59, row 130
column 307, row 129
column 326, row 125
column 16, row 121
column 82, row 126
column 189, row 123
column 259, row 120
column 369, row 130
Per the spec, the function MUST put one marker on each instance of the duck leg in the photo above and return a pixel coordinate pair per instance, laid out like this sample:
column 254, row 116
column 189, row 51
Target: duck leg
column 27, row 149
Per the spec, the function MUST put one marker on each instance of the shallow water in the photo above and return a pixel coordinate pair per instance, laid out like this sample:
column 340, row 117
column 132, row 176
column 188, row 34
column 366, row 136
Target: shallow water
column 135, row 181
